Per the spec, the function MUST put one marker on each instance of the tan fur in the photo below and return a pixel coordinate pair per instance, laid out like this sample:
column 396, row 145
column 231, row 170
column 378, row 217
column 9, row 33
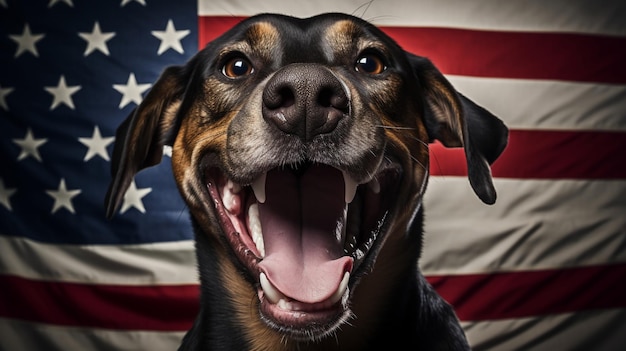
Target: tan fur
column 244, row 300
column 340, row 37
column 263, row 39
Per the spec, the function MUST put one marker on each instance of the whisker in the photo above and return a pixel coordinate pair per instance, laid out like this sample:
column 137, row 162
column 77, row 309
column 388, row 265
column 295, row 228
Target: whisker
column 376, row 19
column 394, row 127
column 404, row 128
column 420, row 141
column 183, row 212
column 365, row 6
column 418, row 162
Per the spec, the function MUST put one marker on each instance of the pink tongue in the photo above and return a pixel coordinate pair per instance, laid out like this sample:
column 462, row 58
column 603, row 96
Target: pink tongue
column 303, row 258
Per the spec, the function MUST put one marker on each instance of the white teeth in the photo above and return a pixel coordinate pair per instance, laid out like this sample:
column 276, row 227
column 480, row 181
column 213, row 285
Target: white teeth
column 258, row 187
column 233, row 187
column 285, row 305
column 342, row 289
column 269, row 290
column 254, row 224
column 350, row 186
column 231, row 201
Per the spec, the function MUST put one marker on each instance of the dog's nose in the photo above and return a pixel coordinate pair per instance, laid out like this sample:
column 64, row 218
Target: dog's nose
column 305, row 100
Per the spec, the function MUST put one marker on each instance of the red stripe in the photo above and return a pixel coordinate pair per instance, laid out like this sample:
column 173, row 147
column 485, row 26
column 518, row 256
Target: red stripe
column 542, row 154
column 528, row 55
column 533, row 293
column 211, row 27
column 161, row 308
column 173, row 308
column 560, row 56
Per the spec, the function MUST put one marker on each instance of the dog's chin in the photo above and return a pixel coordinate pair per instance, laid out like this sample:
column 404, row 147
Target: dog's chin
column 303, row 237
column 311, row 323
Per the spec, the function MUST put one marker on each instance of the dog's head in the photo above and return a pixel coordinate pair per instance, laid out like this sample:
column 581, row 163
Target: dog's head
column 301, row 149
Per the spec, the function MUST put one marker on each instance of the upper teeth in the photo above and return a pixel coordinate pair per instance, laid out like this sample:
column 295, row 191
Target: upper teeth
column 258, row 187
column 350, row 187
column 231, row 201
column 254, row 223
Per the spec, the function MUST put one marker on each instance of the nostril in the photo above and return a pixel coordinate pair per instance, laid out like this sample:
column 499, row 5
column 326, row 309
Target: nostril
column 325, row 98
column 279, row 97
column 288, row 97
column 331, row 97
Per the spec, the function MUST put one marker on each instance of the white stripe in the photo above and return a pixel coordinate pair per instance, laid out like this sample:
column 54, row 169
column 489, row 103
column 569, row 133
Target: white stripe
column 535, row 224
column 169, row 263
column 24, row 336
column 541, row 104
column 584, row 16
column 584, row 330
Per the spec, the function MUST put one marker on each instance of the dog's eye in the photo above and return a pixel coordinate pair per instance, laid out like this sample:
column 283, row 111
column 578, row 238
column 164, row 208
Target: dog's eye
column 237, row 67
column 370, row 64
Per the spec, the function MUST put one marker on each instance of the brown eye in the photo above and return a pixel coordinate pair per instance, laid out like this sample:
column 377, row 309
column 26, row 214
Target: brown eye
column 370, row 64
column 237, row 67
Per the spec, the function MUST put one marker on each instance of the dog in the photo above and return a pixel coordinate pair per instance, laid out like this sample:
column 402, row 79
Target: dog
column 301, row 149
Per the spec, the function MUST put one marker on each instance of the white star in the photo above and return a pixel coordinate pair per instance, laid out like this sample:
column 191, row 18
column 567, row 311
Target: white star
column 53, row 2
column 124, row 2
column 167, row 150
column 63, row 197
column 170, row 38
column 5, row 194
column 3, row 101
column 29, row 146
column 131, row 91
column 26, row 41
column 97, row 40
column 62, row 93
column 97, row 145
column 133, row 197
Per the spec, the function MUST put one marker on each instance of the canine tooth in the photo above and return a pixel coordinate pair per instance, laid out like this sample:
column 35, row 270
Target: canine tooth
column 254, row 223
column 258, row 187
column 234, row 187
column 273, row 295
column 342, row 288
column 350, row 186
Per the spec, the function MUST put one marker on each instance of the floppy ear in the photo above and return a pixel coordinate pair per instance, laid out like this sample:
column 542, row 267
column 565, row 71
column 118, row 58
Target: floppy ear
column 456, row 121
column 139, row 140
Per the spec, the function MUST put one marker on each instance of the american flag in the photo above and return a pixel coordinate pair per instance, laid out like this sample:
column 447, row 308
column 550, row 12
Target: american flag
column 542, row 269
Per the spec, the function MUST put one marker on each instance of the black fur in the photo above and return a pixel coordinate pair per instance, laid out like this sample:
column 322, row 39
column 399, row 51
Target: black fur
column 218, row 123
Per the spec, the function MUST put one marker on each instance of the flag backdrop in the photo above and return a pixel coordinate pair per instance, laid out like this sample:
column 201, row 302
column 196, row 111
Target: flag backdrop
column 542, row 269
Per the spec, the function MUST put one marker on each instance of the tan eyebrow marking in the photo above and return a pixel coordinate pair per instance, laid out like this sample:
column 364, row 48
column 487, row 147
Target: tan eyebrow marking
column 263, row 39
column 340, row 36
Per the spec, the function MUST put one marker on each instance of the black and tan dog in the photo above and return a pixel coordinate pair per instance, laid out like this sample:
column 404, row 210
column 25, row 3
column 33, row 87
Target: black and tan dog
column 301, row 149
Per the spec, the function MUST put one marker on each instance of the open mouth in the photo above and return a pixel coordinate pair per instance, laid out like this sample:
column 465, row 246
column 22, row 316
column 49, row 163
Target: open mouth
column 304, row 234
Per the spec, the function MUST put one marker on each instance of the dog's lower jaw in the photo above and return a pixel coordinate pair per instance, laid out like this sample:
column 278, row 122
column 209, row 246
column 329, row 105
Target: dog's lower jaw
column 232, row 311
column 321, row 316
